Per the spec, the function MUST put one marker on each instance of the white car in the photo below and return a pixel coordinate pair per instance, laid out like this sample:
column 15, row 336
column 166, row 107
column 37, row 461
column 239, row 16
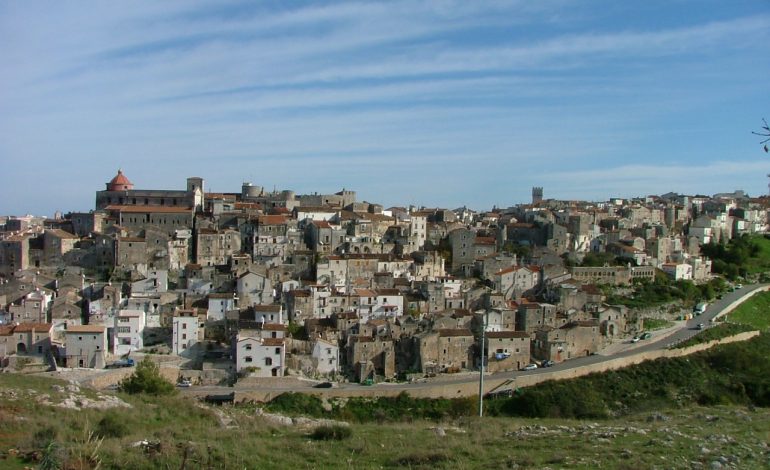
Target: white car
column 184, row 383
column 532, row 366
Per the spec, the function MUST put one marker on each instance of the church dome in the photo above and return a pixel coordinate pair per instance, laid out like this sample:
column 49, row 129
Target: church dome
column 120, row 183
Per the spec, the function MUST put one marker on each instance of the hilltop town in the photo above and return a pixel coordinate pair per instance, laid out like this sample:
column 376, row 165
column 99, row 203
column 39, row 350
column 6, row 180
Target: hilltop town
column 262, row 284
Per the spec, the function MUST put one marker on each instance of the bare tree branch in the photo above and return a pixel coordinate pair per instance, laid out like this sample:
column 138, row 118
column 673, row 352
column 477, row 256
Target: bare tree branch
column 765, row 132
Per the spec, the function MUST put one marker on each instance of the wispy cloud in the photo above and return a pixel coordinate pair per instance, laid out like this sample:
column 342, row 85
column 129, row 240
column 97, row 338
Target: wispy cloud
column 492, row 96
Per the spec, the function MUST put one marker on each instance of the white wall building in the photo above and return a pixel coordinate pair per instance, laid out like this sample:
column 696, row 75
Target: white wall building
column 219, row 304
column 678, row 271
column 128, row 334
column 263, row 357
column 326, row 357
column 185, row 332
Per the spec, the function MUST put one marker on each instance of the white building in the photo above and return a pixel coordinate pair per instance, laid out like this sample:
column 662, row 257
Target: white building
column 262, row 357
column 254, row 289
column 326, row 357
column 219, row 304
column 186, row 332
column 128, row 334
column 678, row 271
column 268, row 314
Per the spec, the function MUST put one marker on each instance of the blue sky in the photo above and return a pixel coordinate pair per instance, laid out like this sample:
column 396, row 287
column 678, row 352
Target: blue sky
column 444, row 103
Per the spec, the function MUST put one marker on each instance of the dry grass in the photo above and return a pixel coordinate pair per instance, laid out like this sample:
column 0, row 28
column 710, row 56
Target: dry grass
column 180, row 432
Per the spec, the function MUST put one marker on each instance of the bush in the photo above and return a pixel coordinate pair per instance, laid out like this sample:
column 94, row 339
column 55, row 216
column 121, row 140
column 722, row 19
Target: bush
column 147, row 379
column 297, row 403
column 111, row 426
column 334, row 432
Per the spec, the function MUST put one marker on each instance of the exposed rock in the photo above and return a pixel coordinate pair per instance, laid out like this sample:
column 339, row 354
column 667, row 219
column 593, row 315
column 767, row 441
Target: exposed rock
column 657, row 417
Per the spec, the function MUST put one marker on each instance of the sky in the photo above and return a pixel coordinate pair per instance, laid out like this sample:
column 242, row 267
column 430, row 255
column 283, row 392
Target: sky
column 434, row 103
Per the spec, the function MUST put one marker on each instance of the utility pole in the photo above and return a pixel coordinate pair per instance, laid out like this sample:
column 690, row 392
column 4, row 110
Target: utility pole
column 481, row 367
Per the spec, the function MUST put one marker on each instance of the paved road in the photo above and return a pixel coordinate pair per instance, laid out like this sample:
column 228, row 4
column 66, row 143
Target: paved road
column 658, row 341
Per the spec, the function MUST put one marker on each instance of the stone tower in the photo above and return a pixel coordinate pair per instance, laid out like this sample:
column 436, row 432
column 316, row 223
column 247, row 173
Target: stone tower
column 537, row 195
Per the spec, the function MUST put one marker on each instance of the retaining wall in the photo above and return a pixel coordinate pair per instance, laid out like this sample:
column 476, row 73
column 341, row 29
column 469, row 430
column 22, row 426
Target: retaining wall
column 471, row 388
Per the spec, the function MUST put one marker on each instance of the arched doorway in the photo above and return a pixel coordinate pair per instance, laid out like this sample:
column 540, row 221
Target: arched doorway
column 21, row 348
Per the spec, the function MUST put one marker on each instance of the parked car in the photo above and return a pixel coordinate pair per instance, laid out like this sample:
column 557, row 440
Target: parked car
column 323, row 385
column 120, row 363
column 184, row 383
column 547, row 363
column 739, row 286
column 700, row 326
column 499, row 394
column 635, row 339
column 532, row 366
column 646, row 335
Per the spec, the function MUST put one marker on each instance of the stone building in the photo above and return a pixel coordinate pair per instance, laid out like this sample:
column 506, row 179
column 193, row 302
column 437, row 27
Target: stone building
column 86, row 346
column 445, row 350
column 120, row 192
column 215, row 247
column 507, row 350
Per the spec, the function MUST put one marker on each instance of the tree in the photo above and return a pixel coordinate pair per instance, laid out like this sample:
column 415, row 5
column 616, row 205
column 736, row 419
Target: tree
column 147, row 379
column 765, row 132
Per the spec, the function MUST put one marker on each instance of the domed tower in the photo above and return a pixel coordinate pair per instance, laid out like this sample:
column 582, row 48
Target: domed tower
column 120, row 183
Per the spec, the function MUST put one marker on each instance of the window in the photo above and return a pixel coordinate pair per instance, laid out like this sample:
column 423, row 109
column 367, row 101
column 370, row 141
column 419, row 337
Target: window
column 268, row 361
column 278, row 351
column 184, row 335
column 247, row 359
column 247, row 347
column 184, row 326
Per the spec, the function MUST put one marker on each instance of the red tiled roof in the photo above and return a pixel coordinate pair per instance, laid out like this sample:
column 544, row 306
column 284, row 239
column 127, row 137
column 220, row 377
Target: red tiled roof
column 27, row 327
column 120, row 179
column 85, row 329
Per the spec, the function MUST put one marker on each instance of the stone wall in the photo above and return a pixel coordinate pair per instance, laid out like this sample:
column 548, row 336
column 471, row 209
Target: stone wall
column 457, row 389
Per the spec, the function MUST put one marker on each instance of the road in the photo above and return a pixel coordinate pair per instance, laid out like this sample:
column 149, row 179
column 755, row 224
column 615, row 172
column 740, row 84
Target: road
column 659, row 340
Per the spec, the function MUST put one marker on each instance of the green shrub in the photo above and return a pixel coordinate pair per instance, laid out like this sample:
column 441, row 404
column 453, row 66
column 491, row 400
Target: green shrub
column 334, row 432
column 420, row 460
column 111, row 426
column 147, row 379
column 297, row 403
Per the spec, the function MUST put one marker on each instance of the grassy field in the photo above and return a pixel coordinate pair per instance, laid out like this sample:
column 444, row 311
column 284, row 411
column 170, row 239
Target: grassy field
column 754, row 311
column 719, row 331
column 761, row 262
column 192, row 435
column 652, row 324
